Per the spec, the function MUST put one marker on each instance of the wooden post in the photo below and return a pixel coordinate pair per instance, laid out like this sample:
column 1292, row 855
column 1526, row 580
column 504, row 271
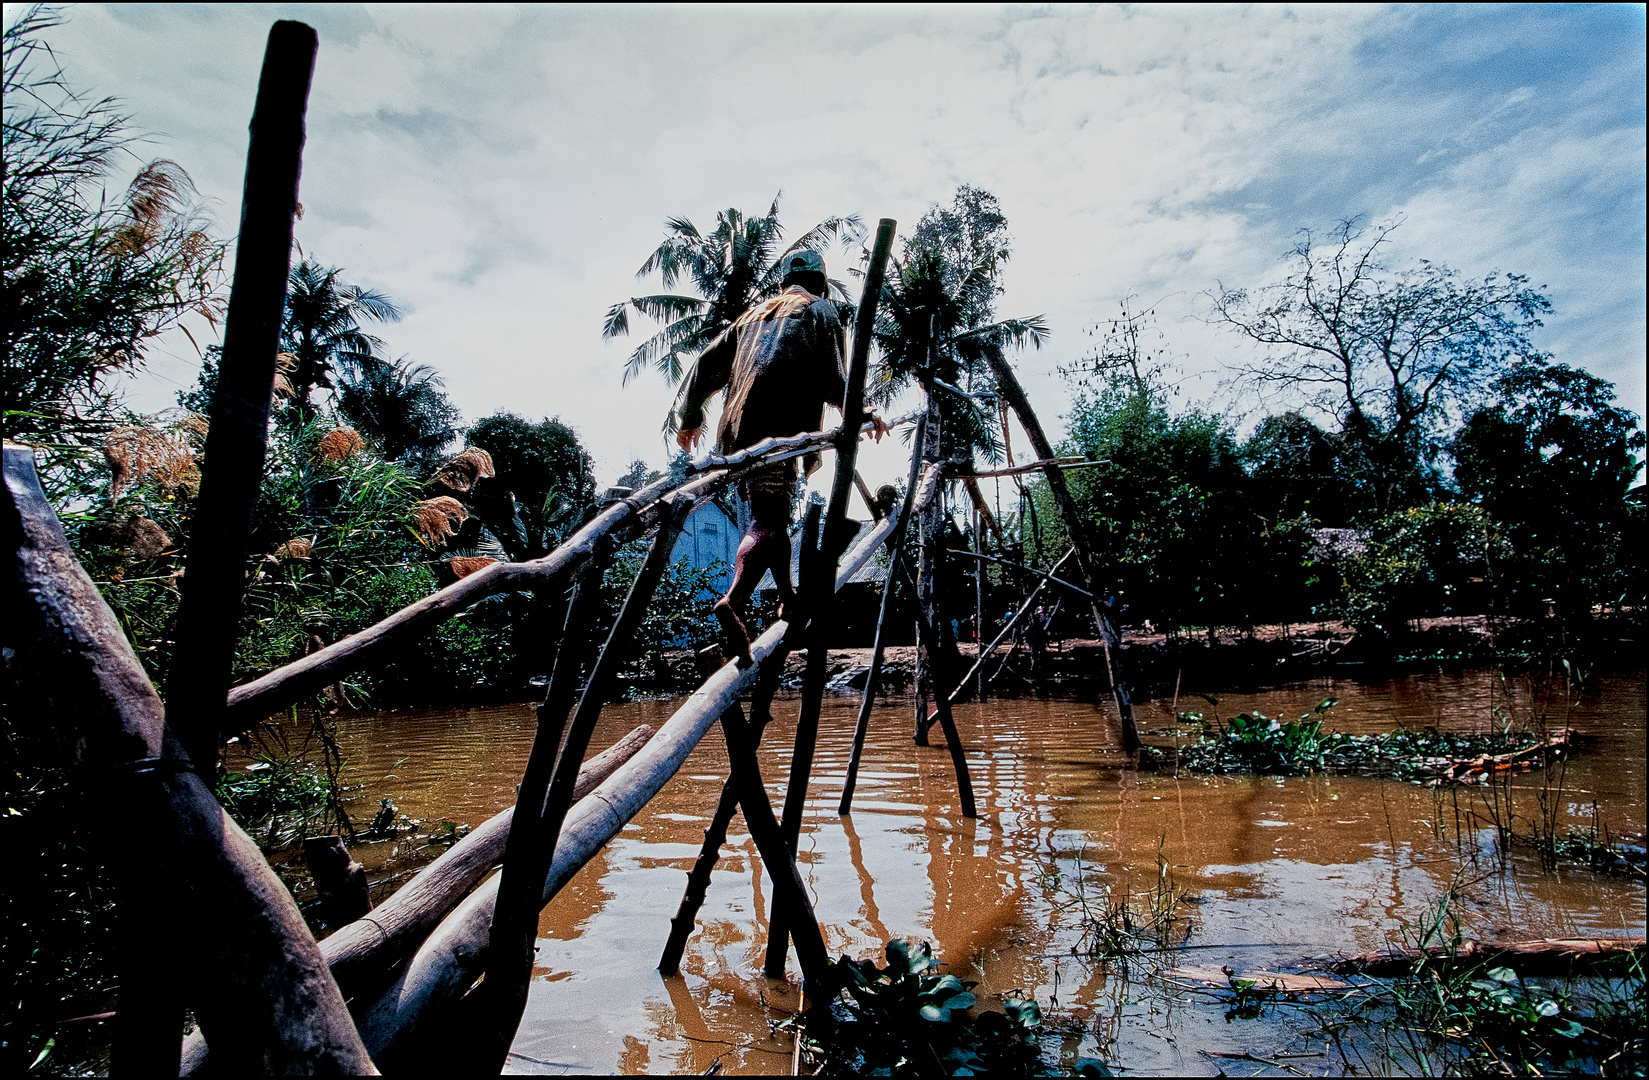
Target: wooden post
column 1008, row 383
column 818, row 579
column 862, row 726
column 698, row 878
column 540, row 815
column 947, row 723
column 149, row 1020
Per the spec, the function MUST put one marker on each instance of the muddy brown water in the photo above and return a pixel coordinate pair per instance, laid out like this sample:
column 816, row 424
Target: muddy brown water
column 1274, row 870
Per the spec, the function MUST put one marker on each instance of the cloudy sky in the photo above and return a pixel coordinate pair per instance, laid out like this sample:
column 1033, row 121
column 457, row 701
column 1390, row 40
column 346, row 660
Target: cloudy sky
column 503, row 171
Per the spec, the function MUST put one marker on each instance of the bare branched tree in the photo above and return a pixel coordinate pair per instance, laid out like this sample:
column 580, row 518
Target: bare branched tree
column 1393, row 355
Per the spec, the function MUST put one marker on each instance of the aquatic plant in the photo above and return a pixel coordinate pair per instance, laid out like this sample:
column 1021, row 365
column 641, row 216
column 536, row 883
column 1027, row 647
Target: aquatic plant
column 1122, row 928
column 1453, row 1014
column 1256, row 744
column 906, row 1020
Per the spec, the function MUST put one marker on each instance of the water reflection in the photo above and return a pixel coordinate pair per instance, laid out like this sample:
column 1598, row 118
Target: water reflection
column 1280, row 869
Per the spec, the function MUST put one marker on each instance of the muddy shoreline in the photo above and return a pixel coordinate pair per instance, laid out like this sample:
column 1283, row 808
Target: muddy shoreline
column 1212, row 661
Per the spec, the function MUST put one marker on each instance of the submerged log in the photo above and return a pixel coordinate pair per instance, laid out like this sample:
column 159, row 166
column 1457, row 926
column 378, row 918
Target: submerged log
column 1544, row 956
column 247, row 963
column 448, row 963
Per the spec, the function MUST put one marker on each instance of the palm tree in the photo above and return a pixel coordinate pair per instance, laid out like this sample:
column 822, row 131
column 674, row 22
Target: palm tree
column 933, row 326
column 733, row 268
column 403, row 407
column 322, row 328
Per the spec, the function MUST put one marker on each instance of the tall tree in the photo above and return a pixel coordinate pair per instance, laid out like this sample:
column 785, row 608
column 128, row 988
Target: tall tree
column 1395, row 356
column 544, row 482
column 734, row 266
column 1554, row 461
column 88, row 279
column 322, row 329
column 937, row 316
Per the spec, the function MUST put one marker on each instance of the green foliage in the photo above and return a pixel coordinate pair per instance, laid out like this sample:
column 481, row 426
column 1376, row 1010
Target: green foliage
column 544, row 486
column 906, row 1020
column 88, row 280
column 278, row 799
column 401, row 407
column 321, row 329
column 1420, row 561
column 1554, row 461
column 936, row 320
column 1171, row 512
column 1256, row 743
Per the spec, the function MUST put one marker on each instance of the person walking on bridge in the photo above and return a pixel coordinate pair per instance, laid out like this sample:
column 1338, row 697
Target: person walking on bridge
column 780, row 364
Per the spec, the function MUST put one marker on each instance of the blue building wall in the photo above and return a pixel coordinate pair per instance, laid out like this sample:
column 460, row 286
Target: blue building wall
column 709, row 536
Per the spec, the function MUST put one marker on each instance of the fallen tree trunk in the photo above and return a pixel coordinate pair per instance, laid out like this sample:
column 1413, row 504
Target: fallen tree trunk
column 448, row 963
column 248, row 965
column 1532, row 757
column 1545, row 956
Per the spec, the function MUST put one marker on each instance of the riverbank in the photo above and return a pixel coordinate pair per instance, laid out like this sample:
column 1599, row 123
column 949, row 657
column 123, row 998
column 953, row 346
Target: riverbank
column 1212, row 660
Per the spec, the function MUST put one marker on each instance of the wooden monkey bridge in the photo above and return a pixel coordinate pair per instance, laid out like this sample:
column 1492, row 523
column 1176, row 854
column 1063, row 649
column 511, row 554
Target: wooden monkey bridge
column 226, row 938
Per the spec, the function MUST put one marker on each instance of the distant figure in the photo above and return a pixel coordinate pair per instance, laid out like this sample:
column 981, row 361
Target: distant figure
column 781, row 363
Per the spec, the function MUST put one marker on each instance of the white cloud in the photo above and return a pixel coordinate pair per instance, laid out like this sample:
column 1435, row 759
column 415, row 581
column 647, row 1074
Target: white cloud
column 503, row 171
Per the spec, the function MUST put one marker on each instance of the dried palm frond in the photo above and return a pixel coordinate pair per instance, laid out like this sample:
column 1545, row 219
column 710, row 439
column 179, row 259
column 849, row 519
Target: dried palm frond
column 138, row 453
column 339, row 444
column 461, row 473
column 438, row 518
column 298, row 547
column 463, row 566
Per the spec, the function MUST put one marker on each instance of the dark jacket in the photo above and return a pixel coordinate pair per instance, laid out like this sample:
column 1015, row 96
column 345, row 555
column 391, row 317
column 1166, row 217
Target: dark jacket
column 781, row 363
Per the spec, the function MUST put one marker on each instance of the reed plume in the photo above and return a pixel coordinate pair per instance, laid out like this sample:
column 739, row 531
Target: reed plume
column 464, row 470
column 339, row 444
column 139, row 453
column 462, row 566
column 438, row 518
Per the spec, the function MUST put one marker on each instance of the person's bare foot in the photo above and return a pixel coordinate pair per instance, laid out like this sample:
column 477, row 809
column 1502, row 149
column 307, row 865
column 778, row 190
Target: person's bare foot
column 735, row 637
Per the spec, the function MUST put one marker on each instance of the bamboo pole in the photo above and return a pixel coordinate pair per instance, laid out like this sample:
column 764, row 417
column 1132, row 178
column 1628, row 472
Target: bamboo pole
column 816, row 586
column 150, row 1017
column 947, row 723
column 1008, row 383
column 807, row 730
column 362, row 954
column 249, row 967
column 984, row 654
column 861, row 726
column 419, row 1002
column 1021, row 566
column 515, row 925
column 698, row 878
